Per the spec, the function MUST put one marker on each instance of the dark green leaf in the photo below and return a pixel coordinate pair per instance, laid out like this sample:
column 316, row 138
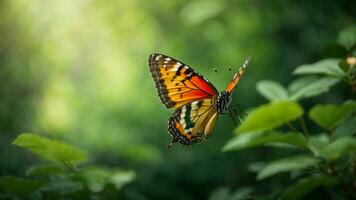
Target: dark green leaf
column 269, row 116
column 50, row 149
column 18, row 185
column 347, row 37
column 286, row 165
column 327, row 116
column 338, row 147
column 328, row 67
column 242, row 193
column 305, row 185
column 306, row 87
column 346, row 127
column 271, row 90
column 242, row 141
column 223, row 193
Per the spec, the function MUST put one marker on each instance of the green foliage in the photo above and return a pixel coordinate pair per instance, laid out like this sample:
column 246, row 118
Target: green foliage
column 305, row 185
column 338, row 147
column 225, row 194
column 346, row 127
column 19, row 186
column 269, row 116
column 56, row 182
column 272, row 90
column 309, row 86
column 327, row 116
column 248, row 140
column 50, row 149
column 294, row 163
column 328, row 67
column 304, row 87
column 317, row 159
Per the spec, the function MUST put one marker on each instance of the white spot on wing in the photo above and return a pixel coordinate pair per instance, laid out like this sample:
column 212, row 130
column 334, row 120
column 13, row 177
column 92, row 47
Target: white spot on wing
column 158, row 57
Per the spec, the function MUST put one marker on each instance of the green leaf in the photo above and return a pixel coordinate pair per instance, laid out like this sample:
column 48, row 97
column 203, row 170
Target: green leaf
column 286, row 165
column 317, row 142
column 98, row 177
column 271, row 90
column 223, row 193
column 347, row 37
column 270, row 116
column 44, row 170
column 18, row 185
column 346, row 127
column 122, row 177
column 62, row 186
column 196, row 12
column 243, row 141
column 305, row 185
column 50, row 149
column 307, row 87
column 328, row 67
column 327, row 116
column 338, row 147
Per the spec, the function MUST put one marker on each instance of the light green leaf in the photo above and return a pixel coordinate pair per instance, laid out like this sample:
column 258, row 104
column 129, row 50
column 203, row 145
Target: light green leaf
column 18, row 185
column 328, row 67
column 270, row 116
column 317, row 142
column 306, row 87
column 196, row 12
column 327, row 116
column 338, row 147
column 305, row 185
column 287, row 164
column 98, row 177
column 122, row 177
column 271, row 90
column 62, row 186
column 243, row 141
column 50, row 149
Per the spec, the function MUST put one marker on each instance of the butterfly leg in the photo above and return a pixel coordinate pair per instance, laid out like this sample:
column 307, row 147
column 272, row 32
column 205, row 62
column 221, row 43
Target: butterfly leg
column 232, row 113
column 239, row 108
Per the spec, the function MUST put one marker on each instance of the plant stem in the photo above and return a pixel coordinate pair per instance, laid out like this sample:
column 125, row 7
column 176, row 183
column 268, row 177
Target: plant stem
column 70, row 166
column 291, row 127
column 304, row 127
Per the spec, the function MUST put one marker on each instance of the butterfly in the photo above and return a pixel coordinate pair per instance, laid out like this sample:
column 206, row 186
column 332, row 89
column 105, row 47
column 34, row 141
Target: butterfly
column 196, row 101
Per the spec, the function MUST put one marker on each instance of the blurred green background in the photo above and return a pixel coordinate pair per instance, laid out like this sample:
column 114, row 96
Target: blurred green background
column 77, row 70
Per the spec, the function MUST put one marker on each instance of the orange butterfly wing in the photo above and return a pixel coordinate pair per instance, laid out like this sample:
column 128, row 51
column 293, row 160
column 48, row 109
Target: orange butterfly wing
column 235, row 80
column 178, row 84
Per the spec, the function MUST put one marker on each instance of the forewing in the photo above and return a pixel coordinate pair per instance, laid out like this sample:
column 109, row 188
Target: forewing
column 192, row 121
column 235, row 80
column 178, row 84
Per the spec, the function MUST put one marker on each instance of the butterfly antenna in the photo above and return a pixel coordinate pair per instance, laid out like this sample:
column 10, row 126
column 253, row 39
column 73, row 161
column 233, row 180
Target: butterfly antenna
column 217, row 72
column 247, row 61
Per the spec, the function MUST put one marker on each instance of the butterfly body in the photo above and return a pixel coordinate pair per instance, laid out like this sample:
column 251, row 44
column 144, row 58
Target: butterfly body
column 196, row 100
